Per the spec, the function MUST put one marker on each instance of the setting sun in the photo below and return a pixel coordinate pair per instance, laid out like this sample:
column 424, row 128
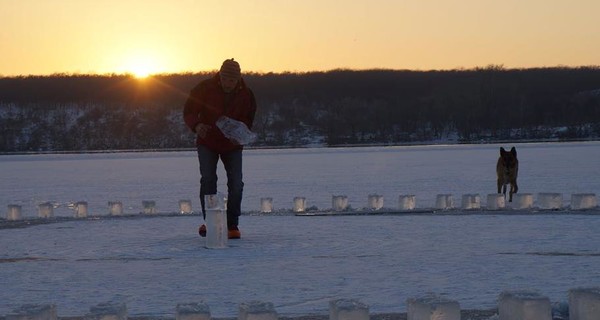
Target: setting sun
column 141, row 68
column 141, row 65
column 141, row 71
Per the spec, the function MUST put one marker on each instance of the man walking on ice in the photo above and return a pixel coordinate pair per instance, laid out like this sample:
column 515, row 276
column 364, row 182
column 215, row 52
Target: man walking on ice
column 224, row 94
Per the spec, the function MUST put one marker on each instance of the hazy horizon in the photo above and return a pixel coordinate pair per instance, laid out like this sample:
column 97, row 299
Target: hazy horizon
column 130, row 74
column 153, row 36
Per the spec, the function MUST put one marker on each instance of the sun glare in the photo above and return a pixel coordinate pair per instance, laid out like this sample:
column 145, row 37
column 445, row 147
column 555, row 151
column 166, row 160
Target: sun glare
column 141, row 70
column 141, row 66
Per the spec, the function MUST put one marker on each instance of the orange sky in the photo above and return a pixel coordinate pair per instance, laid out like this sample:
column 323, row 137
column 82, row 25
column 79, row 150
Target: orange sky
column 154, row 36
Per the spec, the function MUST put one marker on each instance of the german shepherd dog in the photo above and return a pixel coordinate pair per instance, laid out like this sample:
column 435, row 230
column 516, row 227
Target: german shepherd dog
column 507, row 169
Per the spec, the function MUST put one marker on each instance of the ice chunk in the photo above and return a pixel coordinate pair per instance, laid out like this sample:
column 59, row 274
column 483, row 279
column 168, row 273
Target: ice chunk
column 471, row 201
column 582, row 201
column 216, row 221
column 149, row 207
column 348, row 309
column 33, row 312
column 375, row 201
column 584, row 304
column 216, row 228
column 215, row 201
column 406, row 201
column 81, row 209
column 45, row 210
column 14, row 212
column 299, row 204
column 524, row 305
column 257, row 310
column 432, row 307
column 495, row 201
column 444, row 201
column 185, row 206
column 235, row 130
column 522, row 201
column 266, row 205
column 192, row 311
column 550, row 201
column 339, row 203
column 115, row 208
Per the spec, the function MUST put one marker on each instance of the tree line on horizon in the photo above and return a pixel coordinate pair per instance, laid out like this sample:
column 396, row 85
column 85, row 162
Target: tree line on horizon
column 65, row 112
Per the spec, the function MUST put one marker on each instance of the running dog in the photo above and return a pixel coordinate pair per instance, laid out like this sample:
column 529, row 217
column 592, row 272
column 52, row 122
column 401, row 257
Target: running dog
column 507, row 169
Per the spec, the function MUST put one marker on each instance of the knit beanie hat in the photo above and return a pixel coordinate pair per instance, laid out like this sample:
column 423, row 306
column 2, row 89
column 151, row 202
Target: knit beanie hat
column 230, row 69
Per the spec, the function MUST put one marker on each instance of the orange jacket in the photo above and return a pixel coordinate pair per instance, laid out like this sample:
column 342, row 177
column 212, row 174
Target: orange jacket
column 207, row 102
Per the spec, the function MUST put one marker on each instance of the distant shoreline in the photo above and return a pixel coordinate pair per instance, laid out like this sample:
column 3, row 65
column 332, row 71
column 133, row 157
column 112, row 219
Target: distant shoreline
column 407, row 144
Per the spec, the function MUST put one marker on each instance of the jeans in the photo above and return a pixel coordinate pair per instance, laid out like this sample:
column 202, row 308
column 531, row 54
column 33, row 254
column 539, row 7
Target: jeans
column 232, row 161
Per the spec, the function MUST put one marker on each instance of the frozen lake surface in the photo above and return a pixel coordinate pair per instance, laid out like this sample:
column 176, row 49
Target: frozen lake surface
column 298, row 263
column 316, row 174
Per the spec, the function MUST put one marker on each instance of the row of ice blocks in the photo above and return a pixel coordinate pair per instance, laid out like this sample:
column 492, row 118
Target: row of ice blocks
column 584, row 304
column 115, row 208
column 495, row 201
column 545, row 201
column 579, row 201
column 340, row 203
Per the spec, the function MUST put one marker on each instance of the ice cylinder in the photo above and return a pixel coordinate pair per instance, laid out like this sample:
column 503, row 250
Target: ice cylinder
column 266, row 205
column 444, row 201
column 375, row 201
column 14, row 212
column 582, row 201
column 550, row 201
column 45, row 210
column 216, row 221
column 185, row 206
column 81, row 209
column 495, row 201
column 299, row 204
column 406, row 201
column 115, row 208
column 339, row 203
column 522, row 201
column 471, row 201
column 149, row 207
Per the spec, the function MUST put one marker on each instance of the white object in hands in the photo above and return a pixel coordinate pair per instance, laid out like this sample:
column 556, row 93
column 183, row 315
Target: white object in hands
column 235, row 130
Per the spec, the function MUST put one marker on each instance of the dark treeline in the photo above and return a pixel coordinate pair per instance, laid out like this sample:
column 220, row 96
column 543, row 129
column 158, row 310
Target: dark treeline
column 100, row 112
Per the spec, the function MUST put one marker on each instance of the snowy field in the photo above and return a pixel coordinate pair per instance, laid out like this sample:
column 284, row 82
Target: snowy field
column 298, row 263
column 316, row 174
